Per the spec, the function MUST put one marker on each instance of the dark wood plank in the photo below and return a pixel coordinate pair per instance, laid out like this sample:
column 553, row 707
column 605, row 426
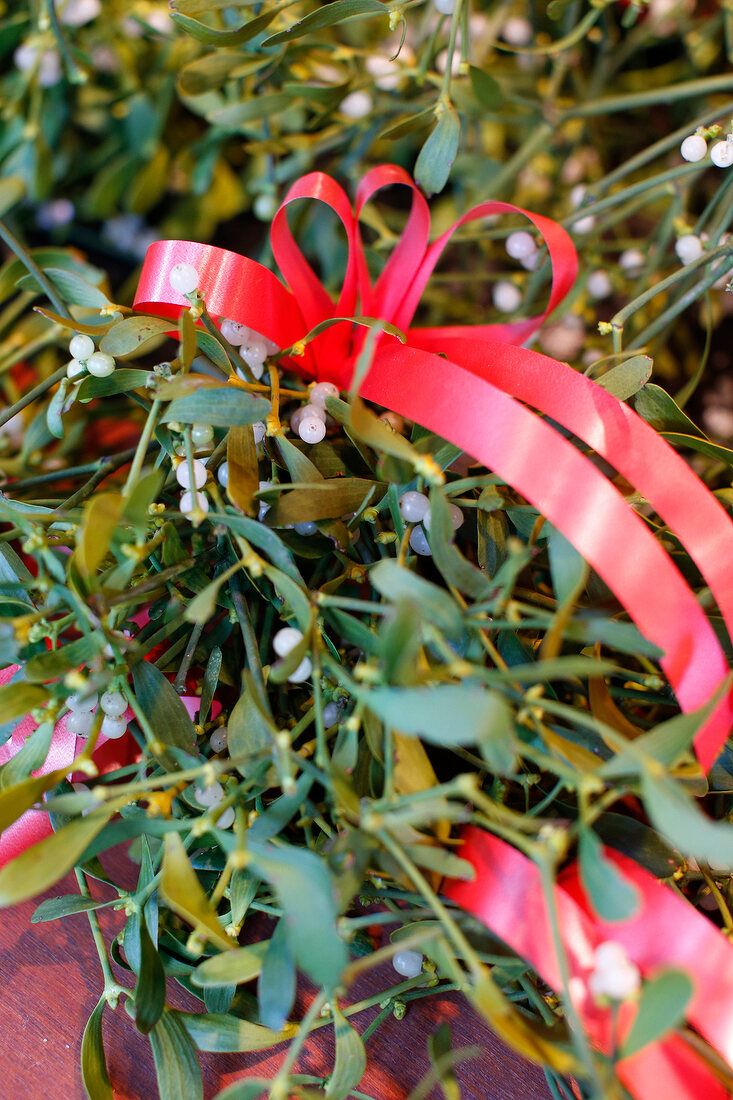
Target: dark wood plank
column 51, row 981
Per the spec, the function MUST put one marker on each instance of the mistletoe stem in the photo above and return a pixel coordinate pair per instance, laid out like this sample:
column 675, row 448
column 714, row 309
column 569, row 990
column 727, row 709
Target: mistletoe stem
column 248, row 635
column 112, row 989
column 142, row 449
column 110, row 464
column 32, row 395
column 180, row 681
column 33, row 269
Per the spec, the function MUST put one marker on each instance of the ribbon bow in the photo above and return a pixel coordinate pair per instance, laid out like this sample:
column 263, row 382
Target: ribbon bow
column 476, row 394
column 664, row 932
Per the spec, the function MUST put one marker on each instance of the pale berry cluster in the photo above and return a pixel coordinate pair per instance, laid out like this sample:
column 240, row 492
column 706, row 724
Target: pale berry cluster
column 521, row 246
column 80, row 718
column 46, row 64
column 583, row 223
column 86, row 360
column 210, row 796
column 415, row 508
column 284, row 642
column 309, row 421
column 191, row 498
column 695, row 148
column 253, row 348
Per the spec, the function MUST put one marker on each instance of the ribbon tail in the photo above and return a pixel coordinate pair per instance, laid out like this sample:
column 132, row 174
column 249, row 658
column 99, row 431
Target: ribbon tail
column 507, row 895
column 630, row 445
column 668, row 931
column 577, row 499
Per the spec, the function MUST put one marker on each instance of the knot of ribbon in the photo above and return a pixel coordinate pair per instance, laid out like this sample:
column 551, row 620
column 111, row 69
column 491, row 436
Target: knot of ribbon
column 247, row 292
column 476, row 387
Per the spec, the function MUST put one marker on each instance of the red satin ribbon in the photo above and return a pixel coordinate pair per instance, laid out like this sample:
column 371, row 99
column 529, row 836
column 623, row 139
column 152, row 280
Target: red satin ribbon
column 477, row 398
column 506, row 894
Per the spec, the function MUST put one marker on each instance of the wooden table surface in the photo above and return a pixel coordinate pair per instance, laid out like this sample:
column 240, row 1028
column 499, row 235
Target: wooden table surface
column 51, row 981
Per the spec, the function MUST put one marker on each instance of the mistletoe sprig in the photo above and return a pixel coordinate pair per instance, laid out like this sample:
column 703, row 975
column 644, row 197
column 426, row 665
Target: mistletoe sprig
column 371, row 659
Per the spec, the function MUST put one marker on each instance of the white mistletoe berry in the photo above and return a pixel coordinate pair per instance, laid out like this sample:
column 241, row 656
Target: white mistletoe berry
column 186, row 504
column 113, row 727
column 311, row 429
column 81, row 346
column 408, row 963
column 721, row 153
column 320, row 392
column 218, row 739
column 113, row 703
column 183, row 474
column 184, row 278
column 286, row 640
column 419, row 542
column 413, row 506
column 614, row 975
column 234, row 333
column 506, row 297
column 100, row 364
column 688, row 248
column 520, row 244
column 693, row 147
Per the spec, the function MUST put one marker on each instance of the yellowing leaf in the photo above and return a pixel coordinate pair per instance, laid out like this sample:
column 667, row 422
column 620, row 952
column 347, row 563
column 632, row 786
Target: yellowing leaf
column 243, row 481
column 17, row 699
column 413, row 772
column 181, row 889
column 581, row 758
column 605, row 710
column 39, row 866
column 101, row 516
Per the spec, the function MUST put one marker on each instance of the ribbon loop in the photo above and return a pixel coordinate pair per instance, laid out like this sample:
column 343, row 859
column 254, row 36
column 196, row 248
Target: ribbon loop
column 233, row 286
column 563, row 259
column 384, row 298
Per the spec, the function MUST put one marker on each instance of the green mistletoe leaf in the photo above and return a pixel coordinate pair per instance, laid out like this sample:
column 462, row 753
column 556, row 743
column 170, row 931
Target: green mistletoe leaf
column 93, row 1063
column 176, row 1064
column 221, row 407
column 338, row 11
column 662, row 1007
column 436, row 157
